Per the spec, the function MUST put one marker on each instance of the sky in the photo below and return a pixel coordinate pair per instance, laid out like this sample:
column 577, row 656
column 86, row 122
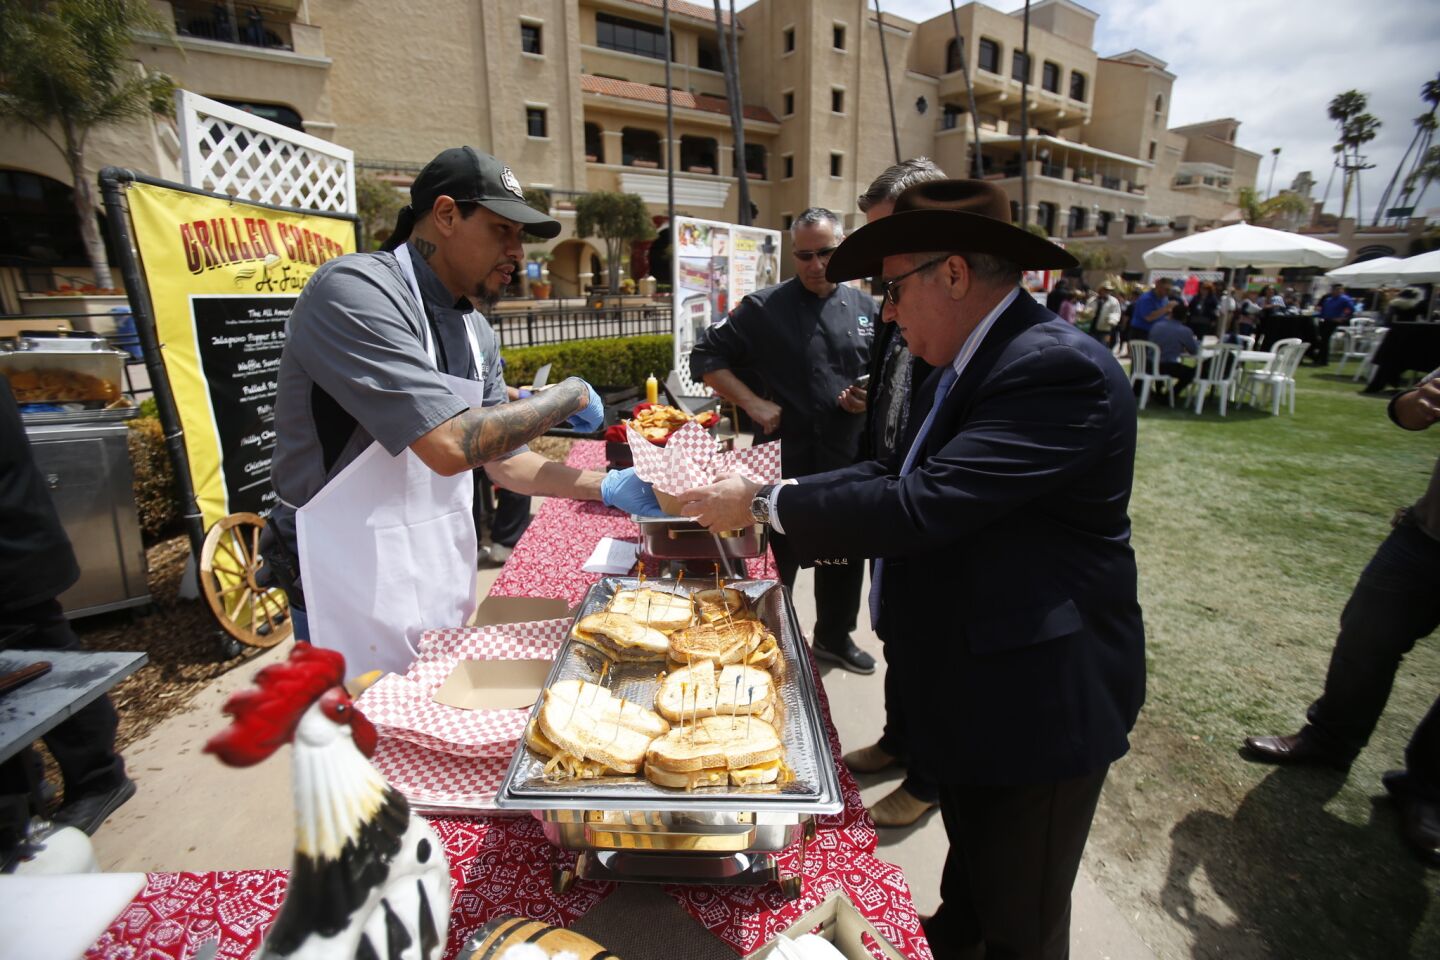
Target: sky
column 1274, row 65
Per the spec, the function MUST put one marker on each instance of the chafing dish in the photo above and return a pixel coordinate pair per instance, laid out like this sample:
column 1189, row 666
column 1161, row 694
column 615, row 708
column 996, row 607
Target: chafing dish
column 625, row 828
column 84, row 371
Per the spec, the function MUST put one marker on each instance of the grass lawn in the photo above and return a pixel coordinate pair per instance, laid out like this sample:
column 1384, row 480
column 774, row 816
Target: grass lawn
column 1250, row 532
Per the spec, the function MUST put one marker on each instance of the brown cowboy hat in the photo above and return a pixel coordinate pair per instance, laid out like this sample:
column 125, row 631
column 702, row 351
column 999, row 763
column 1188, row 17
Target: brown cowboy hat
column 961, row 216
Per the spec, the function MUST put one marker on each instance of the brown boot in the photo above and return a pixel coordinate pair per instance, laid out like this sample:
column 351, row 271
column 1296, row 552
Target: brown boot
column 899, row 808
column 869, row 759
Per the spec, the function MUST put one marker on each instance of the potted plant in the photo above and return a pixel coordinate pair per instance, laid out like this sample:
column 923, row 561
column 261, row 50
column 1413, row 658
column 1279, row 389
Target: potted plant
column 540, row 286
column 1082, row 175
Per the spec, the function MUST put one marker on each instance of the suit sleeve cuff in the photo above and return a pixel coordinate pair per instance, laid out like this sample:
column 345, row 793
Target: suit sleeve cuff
column 775, row 505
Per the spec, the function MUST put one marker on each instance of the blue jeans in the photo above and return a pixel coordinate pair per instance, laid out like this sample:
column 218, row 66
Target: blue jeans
column 301, row 622
column 1396, row 603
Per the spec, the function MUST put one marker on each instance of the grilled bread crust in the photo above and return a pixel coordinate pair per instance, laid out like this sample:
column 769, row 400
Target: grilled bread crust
column 620, row 637
column 660, row 609
column 715, row 743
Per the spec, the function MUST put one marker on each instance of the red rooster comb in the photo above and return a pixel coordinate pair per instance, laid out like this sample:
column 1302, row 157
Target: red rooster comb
column 266, row 717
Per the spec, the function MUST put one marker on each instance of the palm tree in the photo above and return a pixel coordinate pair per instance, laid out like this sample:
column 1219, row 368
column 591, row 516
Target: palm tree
column 66, row 68
column 1426, row 173
column 729, row 62
column 1259, row 211
column 1356, row 128
column 1424, row 132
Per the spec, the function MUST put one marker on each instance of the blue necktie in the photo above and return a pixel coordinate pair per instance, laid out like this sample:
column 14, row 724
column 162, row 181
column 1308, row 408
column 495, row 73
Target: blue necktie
column 947, row 379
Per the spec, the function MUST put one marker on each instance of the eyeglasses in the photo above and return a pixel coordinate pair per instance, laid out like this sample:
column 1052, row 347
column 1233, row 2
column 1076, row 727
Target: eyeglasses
column 891, row 288
column 807, row 255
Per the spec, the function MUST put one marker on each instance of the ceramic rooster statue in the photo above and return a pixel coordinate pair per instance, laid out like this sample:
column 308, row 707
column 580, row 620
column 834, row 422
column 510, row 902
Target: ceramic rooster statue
column 369, row 880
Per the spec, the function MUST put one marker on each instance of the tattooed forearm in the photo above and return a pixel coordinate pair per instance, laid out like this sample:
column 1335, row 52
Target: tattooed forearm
column 485, row 433
column 424, row 247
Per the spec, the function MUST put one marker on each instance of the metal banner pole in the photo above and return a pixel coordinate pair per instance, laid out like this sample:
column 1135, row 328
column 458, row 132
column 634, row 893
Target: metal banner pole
column 117, row 213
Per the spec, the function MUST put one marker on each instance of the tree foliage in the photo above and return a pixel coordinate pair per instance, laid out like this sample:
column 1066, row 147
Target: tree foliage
column 1259, row 211
column 616, row 218
column 1357, row 128
column 378, row 203
column 1098, row 256
column 65, row 69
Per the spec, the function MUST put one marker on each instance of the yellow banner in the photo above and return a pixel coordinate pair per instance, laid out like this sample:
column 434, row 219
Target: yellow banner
column 223, row 277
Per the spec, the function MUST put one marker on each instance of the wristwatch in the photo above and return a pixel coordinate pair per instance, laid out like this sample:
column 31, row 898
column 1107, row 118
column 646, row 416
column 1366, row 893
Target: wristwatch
column 760, row 503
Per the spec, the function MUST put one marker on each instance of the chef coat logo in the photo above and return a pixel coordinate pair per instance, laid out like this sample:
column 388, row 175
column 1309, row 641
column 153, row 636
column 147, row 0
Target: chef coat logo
column 863, row 321
column 507, row 179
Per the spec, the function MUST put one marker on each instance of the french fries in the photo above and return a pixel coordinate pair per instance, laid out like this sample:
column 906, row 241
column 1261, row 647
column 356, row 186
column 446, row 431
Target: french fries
column 658, row 422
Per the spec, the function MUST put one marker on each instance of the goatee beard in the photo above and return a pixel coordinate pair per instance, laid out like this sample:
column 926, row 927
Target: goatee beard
column 484, row 300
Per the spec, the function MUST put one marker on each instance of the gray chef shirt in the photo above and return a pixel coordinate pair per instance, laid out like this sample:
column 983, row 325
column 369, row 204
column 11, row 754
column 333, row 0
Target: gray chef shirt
column 355, row 370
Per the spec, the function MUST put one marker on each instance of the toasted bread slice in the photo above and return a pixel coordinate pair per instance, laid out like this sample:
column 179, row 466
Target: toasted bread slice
column 587, row 732
column 698, row 691
column 660, row 609
column 701, row 691
column 620, row 637
column 713, row 750
column 725, row 603
column 722, row 642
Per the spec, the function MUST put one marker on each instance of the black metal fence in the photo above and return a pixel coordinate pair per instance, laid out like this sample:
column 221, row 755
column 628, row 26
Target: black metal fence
column 559, row 322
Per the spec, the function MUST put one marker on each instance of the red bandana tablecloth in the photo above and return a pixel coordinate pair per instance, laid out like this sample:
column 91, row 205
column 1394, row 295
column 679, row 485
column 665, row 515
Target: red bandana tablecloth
column 503, row 864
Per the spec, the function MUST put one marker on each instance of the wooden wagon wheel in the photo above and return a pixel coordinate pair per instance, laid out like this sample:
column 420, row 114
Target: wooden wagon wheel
column 252, row 614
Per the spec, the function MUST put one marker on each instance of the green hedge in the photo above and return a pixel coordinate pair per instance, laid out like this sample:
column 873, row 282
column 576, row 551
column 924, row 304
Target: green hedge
column 617, row 362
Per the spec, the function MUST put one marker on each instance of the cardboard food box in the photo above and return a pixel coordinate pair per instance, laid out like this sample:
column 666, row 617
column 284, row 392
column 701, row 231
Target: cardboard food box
column 504, row 684
column 836, row 919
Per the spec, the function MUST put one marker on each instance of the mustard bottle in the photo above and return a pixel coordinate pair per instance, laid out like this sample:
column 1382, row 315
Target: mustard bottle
column 652, row 389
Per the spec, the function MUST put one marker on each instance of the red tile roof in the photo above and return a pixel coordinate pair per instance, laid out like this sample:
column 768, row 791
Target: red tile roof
column 628, row 90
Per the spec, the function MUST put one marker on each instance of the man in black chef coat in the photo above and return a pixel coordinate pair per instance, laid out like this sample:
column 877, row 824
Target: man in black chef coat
column 790, row 356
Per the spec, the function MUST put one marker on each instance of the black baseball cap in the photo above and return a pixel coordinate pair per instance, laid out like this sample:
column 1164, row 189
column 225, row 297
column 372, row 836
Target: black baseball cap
column 468, row 176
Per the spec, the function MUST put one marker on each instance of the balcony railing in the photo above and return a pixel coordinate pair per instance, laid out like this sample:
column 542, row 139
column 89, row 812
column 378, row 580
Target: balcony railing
column 224, row 23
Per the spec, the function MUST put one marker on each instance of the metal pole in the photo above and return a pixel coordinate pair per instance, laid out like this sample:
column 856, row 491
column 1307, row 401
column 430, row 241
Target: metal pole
column 1275, row 153
column 889, row 93
column 969, row 88
column 118, row 214
column 669, row 136
column 1025, row 123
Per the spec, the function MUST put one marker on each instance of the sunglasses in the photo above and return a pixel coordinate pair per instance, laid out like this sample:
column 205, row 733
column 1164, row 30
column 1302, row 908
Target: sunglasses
column 807, row 255
column 891, row 288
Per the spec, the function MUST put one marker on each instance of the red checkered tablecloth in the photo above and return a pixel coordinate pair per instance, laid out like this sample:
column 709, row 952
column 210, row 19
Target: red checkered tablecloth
column 502, row 864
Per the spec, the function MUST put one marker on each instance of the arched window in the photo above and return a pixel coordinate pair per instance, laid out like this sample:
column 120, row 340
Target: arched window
column 1159, row 104
column 989, row 59
column 952, row 55
column 594, row 143
column 640, row 148
column 1077, row 86
column 38, row 225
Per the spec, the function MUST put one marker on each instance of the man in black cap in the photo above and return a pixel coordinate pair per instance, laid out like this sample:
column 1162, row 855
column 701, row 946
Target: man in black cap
column 1005, row 570
column 389, row 394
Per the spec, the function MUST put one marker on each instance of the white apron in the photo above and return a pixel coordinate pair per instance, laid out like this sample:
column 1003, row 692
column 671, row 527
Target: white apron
column 388, row 546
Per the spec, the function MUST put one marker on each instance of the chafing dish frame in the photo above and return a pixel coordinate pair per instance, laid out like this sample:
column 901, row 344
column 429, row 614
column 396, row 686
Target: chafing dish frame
column 682, row 538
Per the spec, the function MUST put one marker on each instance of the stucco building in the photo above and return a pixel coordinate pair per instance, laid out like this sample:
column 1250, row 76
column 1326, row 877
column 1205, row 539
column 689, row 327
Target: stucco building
column 571, row 94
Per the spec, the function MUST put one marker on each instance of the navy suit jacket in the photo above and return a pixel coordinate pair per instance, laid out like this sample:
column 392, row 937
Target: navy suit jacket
column 1009, row 586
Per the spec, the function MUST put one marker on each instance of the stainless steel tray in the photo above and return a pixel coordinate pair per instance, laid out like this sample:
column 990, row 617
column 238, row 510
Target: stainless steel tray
column 682, row 538
column 815, row 789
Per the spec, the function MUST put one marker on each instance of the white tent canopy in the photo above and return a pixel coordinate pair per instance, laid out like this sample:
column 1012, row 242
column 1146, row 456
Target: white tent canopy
column 1421, row 268
column 1367, row 274
column 1243, row 245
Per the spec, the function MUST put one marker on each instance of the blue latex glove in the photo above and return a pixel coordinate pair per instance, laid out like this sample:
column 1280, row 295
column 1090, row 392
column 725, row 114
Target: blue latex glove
column 624, row 490
column 592, row 418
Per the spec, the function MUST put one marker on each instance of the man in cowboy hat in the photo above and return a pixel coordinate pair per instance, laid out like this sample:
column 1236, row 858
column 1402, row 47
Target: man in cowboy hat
column 1005, row 563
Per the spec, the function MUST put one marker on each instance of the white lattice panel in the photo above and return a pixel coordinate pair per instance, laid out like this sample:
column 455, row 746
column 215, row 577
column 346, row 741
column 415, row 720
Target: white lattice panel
column 229, row 151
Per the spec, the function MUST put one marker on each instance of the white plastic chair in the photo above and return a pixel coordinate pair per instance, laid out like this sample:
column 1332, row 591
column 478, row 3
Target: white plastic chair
column 1367, row 365
column 1279, row 374
column 1245, row 340
column 1218, row 372
column 1145, row 369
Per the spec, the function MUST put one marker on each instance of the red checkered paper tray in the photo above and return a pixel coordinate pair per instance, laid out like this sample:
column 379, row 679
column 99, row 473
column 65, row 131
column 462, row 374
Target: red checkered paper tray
column 692, row 458
column 403, row 708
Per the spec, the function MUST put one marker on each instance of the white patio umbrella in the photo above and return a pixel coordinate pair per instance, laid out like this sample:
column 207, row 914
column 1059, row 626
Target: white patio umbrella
column 1368, row 274
column 1421, row 268
column 1243, row 245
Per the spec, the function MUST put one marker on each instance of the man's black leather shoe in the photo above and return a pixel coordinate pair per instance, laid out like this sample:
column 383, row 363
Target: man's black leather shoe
column 1419, row 818
column 88, row 812
column 1295, row 749
column 848, row 655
